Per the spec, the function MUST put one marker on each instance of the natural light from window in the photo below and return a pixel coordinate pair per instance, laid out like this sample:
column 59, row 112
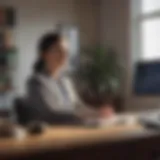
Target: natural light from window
column 150, row 6
column 148, row 30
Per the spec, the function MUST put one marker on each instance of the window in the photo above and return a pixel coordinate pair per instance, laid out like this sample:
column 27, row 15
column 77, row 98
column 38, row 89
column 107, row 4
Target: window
column 146, row 29
column 146, row 46
column 149, row 6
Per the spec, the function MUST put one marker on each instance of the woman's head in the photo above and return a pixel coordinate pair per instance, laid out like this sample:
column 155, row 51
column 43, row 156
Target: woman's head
column 52, row 51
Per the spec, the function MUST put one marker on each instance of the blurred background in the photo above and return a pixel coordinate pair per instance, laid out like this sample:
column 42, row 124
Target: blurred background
column 129, row 27
column 114, row 60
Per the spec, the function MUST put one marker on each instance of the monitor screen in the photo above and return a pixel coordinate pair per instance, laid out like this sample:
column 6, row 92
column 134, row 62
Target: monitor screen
column 147, row 78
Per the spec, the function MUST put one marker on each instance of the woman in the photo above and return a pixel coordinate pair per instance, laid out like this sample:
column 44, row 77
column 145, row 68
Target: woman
column 50, row 96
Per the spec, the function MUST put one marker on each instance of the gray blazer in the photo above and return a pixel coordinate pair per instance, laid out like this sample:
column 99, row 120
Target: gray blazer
column 54, row 101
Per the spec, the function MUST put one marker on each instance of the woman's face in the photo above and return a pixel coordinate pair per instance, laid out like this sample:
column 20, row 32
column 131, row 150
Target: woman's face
column 56, row 56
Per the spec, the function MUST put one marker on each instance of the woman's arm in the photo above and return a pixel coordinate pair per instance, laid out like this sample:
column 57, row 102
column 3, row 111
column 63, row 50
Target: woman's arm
column 81, row 109
column 85, row 111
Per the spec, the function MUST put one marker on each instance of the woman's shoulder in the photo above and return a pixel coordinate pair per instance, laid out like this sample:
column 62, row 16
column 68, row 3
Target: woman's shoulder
column 39, row 81
column 34, row 83
column 33, row 80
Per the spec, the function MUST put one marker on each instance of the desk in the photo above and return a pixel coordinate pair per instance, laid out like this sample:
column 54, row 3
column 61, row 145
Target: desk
column 61, row 139
column 119, row 142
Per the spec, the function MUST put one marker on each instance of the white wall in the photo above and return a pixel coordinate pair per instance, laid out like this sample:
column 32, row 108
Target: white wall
column 35, row 17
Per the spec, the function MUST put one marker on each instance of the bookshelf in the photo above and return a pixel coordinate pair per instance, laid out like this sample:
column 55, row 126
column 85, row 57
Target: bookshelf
column 8, row 54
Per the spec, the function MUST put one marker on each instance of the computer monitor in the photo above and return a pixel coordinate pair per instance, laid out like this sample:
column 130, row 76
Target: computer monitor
column 147, row 78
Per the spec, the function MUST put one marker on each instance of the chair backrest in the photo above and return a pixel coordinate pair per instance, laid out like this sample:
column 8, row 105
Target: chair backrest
column 22, row 111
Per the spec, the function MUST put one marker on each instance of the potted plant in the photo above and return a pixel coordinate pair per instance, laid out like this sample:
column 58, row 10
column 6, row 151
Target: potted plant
column 99, row 76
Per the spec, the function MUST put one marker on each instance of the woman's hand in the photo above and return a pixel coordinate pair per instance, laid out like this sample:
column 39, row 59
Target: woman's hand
column 106, row 111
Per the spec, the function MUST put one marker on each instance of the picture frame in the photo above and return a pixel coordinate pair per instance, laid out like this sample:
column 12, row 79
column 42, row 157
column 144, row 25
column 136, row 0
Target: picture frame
column 7, row 17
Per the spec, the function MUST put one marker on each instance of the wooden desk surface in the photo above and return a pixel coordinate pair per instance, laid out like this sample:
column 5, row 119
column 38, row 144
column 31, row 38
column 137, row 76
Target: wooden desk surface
column 59, row 138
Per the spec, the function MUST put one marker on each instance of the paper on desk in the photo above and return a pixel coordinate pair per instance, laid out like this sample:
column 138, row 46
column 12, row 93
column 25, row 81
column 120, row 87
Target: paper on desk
column 118, row 120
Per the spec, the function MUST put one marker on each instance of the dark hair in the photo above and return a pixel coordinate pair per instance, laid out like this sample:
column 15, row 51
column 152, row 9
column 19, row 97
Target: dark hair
column 46, row 42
